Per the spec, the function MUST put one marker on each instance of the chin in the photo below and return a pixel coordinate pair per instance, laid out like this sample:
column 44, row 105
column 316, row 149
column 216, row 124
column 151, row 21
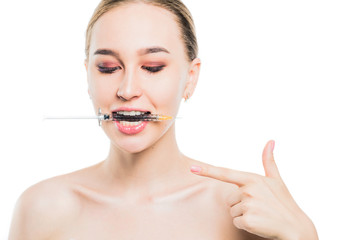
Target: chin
column 132, row 146
column 136, row 143
column 139, row 142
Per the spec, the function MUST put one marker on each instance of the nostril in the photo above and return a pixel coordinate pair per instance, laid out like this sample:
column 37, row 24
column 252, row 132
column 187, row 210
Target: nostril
column 122, row 98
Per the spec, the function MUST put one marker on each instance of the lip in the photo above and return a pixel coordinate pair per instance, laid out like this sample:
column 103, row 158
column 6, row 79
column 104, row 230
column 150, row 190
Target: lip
column 131, row 130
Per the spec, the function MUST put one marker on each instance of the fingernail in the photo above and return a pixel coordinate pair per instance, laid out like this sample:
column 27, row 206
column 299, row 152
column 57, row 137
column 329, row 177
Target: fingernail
column 195, row 169
column 272, row 146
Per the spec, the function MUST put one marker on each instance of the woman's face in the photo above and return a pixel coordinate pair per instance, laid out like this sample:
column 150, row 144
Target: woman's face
column 137, row 61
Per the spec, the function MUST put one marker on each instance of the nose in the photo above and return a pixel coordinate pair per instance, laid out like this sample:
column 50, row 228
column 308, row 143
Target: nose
column 129, row 87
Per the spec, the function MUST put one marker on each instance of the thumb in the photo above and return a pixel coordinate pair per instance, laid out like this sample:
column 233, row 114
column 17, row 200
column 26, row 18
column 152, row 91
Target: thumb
column 270, row 167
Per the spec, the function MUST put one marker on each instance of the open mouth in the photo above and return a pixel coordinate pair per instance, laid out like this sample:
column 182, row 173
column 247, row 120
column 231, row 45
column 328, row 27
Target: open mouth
column 130, row 122
column 130, row 116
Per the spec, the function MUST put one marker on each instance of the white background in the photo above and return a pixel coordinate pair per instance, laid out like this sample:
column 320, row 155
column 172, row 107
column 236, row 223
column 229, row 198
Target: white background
column 282, row 70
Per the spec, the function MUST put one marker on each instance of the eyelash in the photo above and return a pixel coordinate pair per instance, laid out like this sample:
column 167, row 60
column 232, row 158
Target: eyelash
column 151, row 70
column 107, row 70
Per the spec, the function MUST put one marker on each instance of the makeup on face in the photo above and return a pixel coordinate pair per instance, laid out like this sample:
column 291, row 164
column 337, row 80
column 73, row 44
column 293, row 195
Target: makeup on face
column 134, row 121
column 109, row 67
column 129, row 121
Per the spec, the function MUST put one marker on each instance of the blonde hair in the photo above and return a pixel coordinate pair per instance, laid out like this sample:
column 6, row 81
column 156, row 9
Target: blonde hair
column 182, row 14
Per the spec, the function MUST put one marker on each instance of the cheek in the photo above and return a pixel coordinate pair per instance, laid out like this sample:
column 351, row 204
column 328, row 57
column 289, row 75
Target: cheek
column 170, row 93
column 167, row 95
column 101, row 91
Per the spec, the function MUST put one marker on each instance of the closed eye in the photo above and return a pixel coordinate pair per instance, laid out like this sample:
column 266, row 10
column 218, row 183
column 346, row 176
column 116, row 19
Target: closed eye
column 153, row 69
column 108, row 70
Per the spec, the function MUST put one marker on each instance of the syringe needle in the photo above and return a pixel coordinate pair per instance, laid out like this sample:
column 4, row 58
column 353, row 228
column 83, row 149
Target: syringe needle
column 71, row 117
column 100, row 117
column 116, row 117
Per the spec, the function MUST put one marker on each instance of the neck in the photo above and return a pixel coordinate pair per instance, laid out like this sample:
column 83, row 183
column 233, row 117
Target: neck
column 150, row 170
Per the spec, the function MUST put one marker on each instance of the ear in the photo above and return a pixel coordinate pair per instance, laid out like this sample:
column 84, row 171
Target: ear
column 86, row 67
column 193, row 76
column 86, row 64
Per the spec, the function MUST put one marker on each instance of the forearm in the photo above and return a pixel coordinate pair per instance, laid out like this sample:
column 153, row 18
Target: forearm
column 306, row 231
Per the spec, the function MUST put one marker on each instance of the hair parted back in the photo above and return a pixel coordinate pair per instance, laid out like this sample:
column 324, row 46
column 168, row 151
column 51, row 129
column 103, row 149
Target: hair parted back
column 182, row 14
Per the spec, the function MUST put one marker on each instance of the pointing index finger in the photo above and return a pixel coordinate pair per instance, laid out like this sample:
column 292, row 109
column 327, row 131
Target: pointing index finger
column 224, row 174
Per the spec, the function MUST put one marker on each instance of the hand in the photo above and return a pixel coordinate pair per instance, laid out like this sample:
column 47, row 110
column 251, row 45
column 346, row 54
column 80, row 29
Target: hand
column 262, row 205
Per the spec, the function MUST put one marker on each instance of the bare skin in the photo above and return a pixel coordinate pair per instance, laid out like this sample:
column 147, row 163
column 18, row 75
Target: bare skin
column 82, row 205
column 144, row 189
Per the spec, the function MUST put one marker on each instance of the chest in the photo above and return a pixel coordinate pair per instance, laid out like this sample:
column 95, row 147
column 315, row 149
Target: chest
column 195, row 219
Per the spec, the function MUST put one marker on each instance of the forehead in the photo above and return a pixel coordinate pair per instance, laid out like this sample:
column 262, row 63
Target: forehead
column 134, row 26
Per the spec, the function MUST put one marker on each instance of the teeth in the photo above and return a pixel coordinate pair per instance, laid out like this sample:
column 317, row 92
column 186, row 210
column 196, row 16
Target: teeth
column 130, row 113
column 127, row 124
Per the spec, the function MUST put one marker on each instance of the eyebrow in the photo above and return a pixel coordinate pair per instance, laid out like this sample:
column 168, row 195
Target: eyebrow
column 145, row 51
column 141, row 52
column 106, row 52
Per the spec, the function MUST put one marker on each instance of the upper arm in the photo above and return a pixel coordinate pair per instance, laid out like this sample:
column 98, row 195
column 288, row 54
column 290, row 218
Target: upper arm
column 39, row 211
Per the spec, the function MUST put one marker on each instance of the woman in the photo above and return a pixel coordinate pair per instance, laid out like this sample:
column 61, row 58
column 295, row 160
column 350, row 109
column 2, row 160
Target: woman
column 141, row 56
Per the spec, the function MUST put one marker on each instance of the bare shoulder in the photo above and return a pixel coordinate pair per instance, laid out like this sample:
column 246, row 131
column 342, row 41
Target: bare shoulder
column 43, row 208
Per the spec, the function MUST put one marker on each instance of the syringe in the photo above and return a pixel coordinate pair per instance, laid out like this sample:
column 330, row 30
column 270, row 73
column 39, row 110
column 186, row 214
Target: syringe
column 117, row 117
